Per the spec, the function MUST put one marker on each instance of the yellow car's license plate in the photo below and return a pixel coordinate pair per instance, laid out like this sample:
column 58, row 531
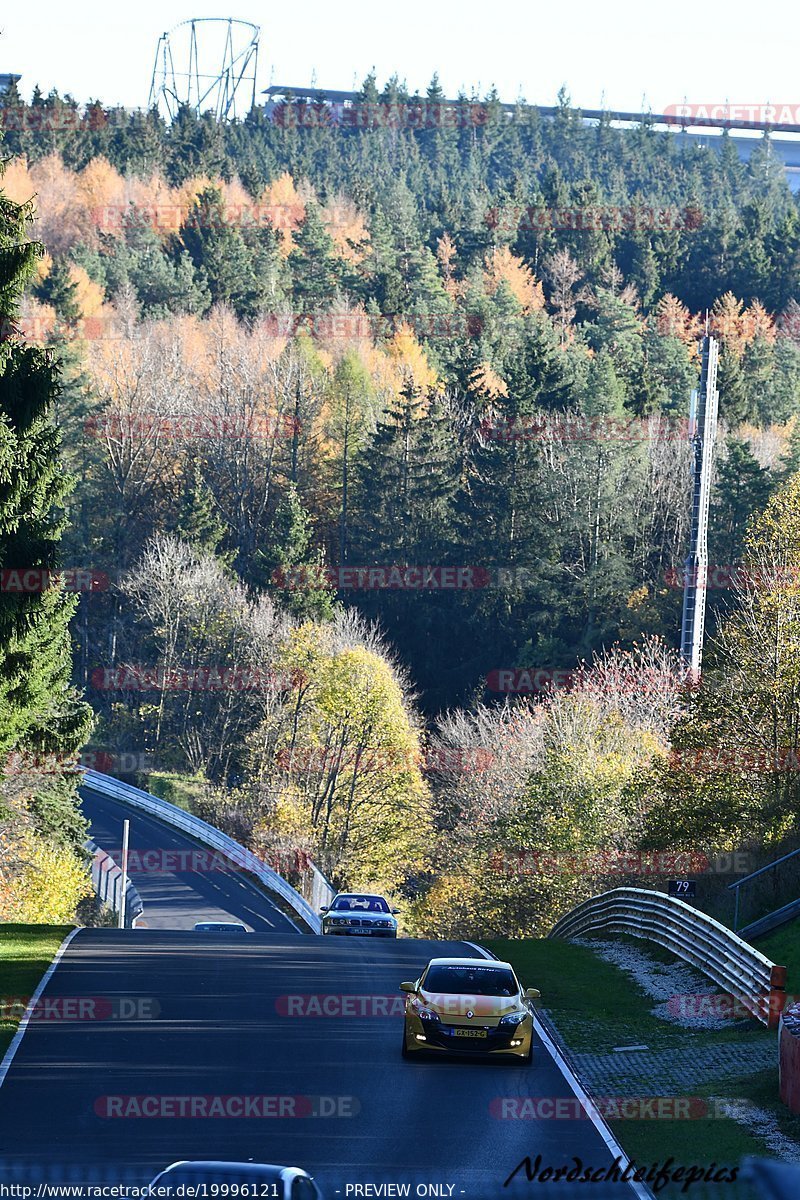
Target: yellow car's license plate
column 474, row 1033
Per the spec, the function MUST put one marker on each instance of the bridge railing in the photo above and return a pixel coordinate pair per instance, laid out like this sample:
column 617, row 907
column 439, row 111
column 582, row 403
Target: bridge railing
column 207, row 835
column 740, row 970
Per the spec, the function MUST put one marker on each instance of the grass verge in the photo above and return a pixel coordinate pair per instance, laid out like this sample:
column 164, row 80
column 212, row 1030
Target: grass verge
column 597, row 1007
column 26, row 952
column 783, row 946
column 184, row 791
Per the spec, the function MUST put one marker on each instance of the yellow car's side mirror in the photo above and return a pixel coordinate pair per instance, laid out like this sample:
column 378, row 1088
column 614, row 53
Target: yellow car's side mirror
column 408, row 987
column 532, row 993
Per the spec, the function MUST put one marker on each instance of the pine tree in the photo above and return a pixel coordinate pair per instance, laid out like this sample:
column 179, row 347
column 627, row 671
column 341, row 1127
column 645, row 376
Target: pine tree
column 40, row 713
column 403, row 517
column 407, row 481
column 315, row 268
column 742, row 488
column 60, row 290
column 221, row 256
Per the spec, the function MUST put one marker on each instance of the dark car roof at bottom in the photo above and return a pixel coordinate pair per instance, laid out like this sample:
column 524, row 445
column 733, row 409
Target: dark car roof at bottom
column 228, row 1169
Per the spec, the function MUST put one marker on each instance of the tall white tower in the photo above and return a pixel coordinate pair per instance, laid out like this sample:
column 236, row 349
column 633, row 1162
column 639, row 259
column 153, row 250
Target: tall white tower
column 702, row 435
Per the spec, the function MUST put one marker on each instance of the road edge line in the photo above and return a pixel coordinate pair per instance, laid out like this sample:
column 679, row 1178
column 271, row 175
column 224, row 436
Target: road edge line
column 8, row 1057
column 641, row 1190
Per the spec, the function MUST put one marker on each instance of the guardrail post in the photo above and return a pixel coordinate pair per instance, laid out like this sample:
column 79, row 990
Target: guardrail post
column 777, row 995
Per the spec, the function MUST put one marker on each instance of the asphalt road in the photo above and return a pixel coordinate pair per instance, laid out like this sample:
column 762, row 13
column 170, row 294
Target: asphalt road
column 214, row 1019
column 309, row 1026
column 174, row 897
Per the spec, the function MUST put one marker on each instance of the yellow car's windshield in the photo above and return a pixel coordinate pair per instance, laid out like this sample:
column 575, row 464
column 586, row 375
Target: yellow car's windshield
column 475, row 981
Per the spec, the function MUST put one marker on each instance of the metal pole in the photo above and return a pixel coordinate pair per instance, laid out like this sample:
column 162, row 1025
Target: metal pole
column 702, row 435
column 126, row 825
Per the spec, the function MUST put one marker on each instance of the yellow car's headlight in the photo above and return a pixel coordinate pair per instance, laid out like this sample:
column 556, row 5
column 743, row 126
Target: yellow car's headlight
column 512, row 1019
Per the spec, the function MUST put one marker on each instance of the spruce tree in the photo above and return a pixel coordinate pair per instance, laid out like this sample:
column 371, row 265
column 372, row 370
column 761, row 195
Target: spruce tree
column 60, row 290
column 315, row 268
column 40, row 713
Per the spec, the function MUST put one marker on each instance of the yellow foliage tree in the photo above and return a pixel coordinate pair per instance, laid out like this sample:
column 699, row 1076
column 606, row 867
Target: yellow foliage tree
column 46, row 884
column 18, row 182
column 89, row 296
column 64, row 218
column 347, row 228
column 757, row 323
column 100, row 185
column 728, row 322
column 285, row 209
column 485, row 380
column 410, row 360
column 504, row 267
column 351, row 758
column 673, row 319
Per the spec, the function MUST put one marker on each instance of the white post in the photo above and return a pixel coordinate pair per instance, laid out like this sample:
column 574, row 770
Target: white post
column 125, row 835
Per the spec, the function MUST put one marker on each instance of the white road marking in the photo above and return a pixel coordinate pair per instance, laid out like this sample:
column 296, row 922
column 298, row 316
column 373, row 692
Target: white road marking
column 34, row 1000
column 640, row 1190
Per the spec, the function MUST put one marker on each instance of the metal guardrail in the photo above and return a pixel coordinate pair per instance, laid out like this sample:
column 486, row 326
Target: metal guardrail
column 743, row 972
column 107, row 883
column 738, row 884
column 207, row 835
column 321, row 889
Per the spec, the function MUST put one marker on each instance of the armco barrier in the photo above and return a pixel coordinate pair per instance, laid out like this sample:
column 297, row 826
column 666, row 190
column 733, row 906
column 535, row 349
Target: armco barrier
column 107, row 883
column 751, row 978
column 789, row 1057
column 207, row 835
column 320, row 890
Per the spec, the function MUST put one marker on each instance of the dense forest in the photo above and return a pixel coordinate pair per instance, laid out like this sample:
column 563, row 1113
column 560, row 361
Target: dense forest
column 373, row 488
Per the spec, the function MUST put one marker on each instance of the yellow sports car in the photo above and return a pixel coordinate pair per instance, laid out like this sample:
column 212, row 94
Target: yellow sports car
column 471, row 1006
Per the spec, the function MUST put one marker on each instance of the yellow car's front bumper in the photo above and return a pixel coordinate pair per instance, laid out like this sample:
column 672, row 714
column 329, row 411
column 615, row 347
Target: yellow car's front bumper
column 439, row 1037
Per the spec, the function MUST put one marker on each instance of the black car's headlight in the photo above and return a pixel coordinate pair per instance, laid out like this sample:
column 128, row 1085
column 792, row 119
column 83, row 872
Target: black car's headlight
column 512, row 1019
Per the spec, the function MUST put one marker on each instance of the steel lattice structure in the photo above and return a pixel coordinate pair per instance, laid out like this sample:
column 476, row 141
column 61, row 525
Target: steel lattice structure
column 206, row 68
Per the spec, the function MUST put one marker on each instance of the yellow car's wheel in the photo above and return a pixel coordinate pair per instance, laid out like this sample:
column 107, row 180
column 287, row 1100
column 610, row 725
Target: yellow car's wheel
column 405, row 1050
